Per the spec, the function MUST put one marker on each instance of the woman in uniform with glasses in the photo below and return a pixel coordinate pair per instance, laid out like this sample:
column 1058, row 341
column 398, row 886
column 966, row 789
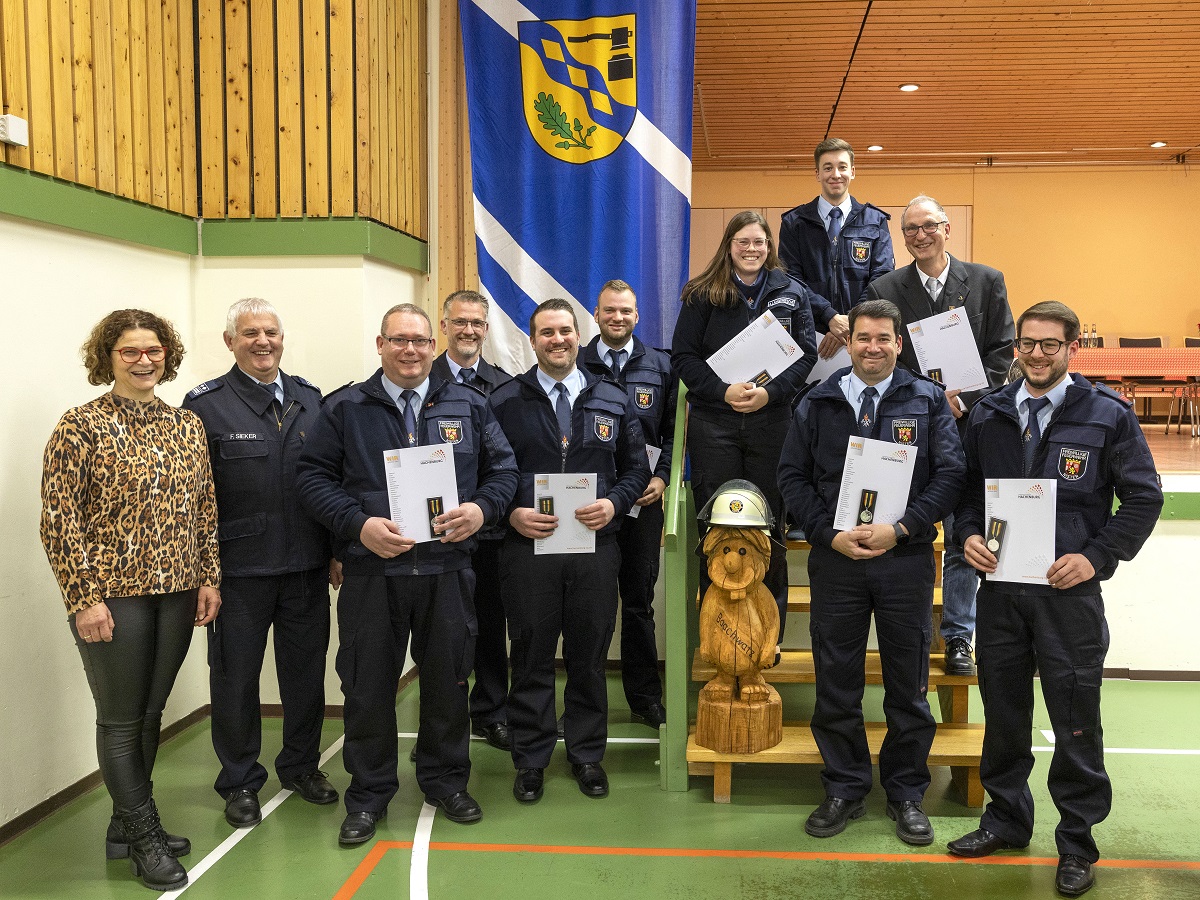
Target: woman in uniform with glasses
column 737, row 430
column 129, row 523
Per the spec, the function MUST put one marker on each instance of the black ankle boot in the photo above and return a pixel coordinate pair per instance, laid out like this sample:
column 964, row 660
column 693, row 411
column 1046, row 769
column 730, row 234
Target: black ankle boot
column 149, row 857
column 116, row 845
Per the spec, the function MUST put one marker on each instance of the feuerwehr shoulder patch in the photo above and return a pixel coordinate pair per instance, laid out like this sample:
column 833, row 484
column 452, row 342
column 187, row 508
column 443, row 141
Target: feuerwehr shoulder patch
column 860, row 251
column 215, row 384
column 1072, row 464
column 450, row 430
column 603, row 427
column 904, row 431
column 643, row 396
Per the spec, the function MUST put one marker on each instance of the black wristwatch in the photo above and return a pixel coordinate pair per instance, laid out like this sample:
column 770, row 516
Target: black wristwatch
column 902, row 535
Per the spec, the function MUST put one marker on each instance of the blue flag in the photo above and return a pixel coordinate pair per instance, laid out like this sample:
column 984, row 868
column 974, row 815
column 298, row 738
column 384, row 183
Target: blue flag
column 581, row 129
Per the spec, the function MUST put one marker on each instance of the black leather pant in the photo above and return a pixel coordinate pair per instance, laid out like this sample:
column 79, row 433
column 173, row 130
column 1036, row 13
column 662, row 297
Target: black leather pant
column 131, row 677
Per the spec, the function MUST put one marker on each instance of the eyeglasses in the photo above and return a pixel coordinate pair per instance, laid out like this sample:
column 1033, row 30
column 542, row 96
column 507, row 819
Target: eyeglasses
column 928, row 228
column 416, row 343
column 744, row 244
column 463, row 324
column 133, row 354
column 1050, row 346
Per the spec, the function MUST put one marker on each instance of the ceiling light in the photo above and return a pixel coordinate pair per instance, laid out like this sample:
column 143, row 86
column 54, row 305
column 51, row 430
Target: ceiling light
column 875, row 147
column 1157, row 144
column 909, row 88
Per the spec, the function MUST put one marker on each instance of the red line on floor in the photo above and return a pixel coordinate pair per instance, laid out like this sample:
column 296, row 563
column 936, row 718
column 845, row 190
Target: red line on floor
column 377, row 852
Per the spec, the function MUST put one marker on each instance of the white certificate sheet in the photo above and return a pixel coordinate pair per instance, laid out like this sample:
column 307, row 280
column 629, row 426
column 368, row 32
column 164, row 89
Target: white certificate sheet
column 760, row 352
column 560, row 495
column 1020, row 527
column 875, row 483
column 421, row 485
column 946, row 350
column 654, row 453
column 826, row 367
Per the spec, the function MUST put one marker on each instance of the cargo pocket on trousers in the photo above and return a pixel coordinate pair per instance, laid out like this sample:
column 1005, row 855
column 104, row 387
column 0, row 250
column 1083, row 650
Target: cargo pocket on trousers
column 923, row 659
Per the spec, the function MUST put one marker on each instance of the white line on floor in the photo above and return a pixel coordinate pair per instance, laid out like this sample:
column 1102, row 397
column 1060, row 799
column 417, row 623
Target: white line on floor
column 418, row 871
column 232, row 841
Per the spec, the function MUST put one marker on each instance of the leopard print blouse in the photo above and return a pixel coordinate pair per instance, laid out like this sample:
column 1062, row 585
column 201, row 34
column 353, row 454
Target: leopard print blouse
column 128, row 506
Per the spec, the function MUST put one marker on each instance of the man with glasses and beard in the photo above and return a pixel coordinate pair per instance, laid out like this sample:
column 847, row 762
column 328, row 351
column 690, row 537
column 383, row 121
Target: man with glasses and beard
column 1056, row 426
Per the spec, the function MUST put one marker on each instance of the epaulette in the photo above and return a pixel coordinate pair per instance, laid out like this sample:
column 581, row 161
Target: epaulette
column 307, row 383
column 336, row 390
column 1105, row 391
column 208, row 386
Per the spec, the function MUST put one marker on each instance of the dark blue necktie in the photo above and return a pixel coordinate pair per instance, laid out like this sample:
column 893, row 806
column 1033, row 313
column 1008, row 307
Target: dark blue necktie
column 410, row 416
column 616, row 361
column 1033, row 430
column 466, row 376
column 562, row 410
column 866, row 412
column 835, row 224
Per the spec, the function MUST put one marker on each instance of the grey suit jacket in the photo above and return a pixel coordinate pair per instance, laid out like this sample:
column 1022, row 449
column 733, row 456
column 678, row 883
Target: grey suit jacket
column 977, row 288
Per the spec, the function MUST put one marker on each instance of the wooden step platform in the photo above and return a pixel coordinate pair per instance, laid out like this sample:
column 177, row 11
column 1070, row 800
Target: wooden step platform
column 956, row 745
column 800, row 599
column 796, row 667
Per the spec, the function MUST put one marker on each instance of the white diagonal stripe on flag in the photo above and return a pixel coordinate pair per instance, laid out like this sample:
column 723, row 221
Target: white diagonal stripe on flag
column 656, row 148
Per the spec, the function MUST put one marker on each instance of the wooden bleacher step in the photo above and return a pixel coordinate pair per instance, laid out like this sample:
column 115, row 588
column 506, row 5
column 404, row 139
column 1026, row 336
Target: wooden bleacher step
column 957, row 745
column 796, row 667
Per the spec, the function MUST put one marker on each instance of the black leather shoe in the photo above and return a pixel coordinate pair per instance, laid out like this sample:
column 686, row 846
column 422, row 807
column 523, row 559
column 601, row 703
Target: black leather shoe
column 591, row 779
column 460, row 807
column 958, row 657
column 359, row 827
column 980, row 842
column 912, row 825
column 496, row 734
column 653, row 715
column 242, row 809
column 1074, row 876
column 830, row 817
column 313, row 787
column 527, row 786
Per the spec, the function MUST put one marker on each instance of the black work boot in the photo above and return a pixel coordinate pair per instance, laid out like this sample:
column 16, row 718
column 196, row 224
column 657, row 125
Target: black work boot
column 149, row 857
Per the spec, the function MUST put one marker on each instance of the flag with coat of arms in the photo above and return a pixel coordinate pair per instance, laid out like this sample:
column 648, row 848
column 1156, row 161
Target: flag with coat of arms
column 580, row 120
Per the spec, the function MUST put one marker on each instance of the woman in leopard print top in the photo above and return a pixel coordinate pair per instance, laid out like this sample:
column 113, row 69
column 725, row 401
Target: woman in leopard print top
column 129, row 523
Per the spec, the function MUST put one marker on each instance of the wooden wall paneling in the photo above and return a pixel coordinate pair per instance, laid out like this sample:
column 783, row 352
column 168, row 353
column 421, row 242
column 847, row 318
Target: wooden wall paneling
column 211, row 77
column 16, row 85
column 363, row 100
column 156, row 102
column 376, row 73
column 61, row 67
column 341, row 107
column 104, row 100
column 401, row 131
column 83, row 77
column 466, row 204
column 421, row 120
column 139, row 95
column 41, row 106
column 185, row 13
column 3, row 85
column 316, row 108
column 123, row 105
column 237, row 110
column 387, row 141
column 291, row 124
column 262, row 108
column 172, row 86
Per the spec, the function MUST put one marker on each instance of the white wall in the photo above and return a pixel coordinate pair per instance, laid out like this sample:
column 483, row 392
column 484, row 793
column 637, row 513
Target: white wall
column 57, row 285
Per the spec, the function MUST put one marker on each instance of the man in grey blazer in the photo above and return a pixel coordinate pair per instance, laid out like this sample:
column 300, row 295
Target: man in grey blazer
column 936, row 282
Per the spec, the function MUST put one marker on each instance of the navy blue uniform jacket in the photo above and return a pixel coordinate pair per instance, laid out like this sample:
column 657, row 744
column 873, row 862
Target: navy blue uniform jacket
column 863, row 253
column 653, row 389
column 260, row 524
column 702, row 329
column 341, row 476
column 1094, row 448
column 606, row 438
column 914, row 412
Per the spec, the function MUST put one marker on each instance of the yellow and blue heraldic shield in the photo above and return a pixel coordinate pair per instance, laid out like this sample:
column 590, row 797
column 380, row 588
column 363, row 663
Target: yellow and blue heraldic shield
column 579, row 81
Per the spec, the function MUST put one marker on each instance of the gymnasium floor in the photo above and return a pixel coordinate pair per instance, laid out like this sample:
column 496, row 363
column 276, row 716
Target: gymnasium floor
column 640, row 841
